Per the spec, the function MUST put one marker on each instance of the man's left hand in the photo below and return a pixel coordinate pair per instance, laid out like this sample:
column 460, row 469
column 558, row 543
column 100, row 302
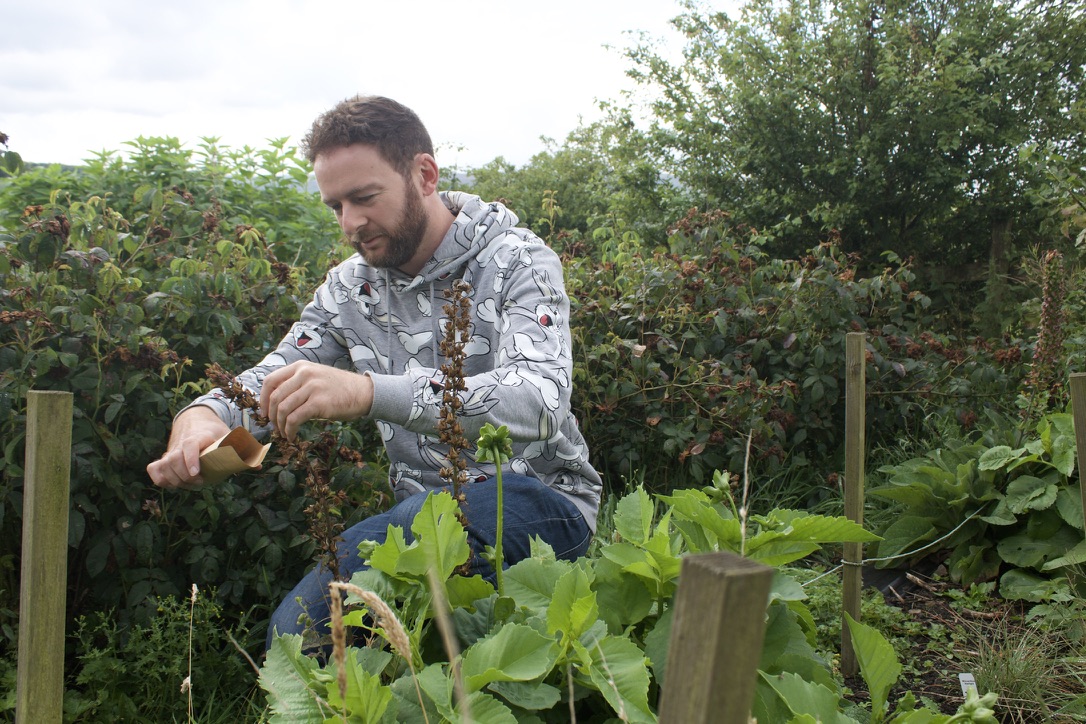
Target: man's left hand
column 304, row 391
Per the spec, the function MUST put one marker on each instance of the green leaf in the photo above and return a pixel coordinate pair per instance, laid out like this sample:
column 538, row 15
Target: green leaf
column 516, row 653
column 1000, row 457
column 806, row 698
column 1020, row 584
column 633, row 516
column 1030, row 493
column 619, row 670
column 367, row 699
column 623, row 600
column 1063, row 454
column 441, row 543
column 463, row 591
column 1024, row 551
column 573, row 608
column 533, row 696
column 532, row 581
column 1069, row 505
column 290, row 680
column 905, row 533
column 1075, row 556
column 696, row 507
column 878, row 663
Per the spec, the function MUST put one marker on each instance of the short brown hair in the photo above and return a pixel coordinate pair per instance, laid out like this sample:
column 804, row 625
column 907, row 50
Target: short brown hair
column 392, row 128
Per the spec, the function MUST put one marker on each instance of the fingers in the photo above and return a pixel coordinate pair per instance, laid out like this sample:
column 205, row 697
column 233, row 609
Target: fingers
column 282, row 398
column 177, row 469
column 303, row 391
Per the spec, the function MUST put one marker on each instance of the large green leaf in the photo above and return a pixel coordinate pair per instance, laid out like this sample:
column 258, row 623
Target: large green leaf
column 1075, row 556
column 367, row 699
column 797, row 534
column 290, row 679
column 516, row 653
column 1027, row 492
column 441, row 543
column 805, row 698
column 573, row 609
column 905, row 533
column 1026, row 551
column 696, row 507
column 1069, row 505
column 533, row 695
column 620, row 671
column 633, row 516
column 878, row 663
column 623, row 600
column 1019, row 584
column 1000, row 456
column 531, row 582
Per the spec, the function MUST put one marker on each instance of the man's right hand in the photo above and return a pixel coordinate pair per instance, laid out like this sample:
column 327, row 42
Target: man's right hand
column 193, row 430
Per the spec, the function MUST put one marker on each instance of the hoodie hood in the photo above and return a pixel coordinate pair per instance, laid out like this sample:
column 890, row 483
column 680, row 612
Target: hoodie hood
column 477, row 223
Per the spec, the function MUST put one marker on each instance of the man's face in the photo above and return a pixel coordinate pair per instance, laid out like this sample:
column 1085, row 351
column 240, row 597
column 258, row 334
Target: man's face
column 379, row 210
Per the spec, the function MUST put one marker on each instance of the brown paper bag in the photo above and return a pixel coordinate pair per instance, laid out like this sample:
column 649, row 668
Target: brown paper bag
column 234, row 452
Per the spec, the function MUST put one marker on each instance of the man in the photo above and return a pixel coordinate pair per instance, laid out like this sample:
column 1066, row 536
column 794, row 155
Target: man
column 367, row 347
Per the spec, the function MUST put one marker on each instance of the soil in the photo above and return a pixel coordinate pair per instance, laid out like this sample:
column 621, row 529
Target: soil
column 933, row 662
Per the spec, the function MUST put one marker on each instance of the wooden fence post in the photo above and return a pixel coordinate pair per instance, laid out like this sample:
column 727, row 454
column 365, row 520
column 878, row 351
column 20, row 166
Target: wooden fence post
column 716, row 640
column 44, row 569
column 855, row 415
column 1078, row 414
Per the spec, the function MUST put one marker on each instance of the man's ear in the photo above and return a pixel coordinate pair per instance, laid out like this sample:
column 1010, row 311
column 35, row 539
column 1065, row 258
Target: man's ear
column 427, row 173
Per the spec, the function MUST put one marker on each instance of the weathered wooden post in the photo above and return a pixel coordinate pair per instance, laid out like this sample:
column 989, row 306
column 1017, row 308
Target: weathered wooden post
column 716, row 640
column 855, row 414
column 44, row 571
column 1078, row 414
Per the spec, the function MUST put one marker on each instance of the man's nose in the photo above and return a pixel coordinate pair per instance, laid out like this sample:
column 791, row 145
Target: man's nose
column 352, row 220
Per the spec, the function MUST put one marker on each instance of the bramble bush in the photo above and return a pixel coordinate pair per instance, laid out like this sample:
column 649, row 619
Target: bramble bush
column 684, row 352
column 120, row 283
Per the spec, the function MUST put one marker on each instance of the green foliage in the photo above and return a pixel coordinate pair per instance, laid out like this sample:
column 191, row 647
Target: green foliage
column 1006, row 510
column 898, row 124
column 599, row 175
column 585, row 639
column 135, row 673
column 683, row 353
column 119, row 283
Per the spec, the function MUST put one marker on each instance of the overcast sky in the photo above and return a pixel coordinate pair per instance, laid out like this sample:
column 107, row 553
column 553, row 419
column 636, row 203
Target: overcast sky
column 488, row 76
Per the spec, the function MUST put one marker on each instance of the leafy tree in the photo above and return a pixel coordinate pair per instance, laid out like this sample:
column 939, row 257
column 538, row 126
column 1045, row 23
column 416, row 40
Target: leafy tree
column 600, row 177
column 898, row 123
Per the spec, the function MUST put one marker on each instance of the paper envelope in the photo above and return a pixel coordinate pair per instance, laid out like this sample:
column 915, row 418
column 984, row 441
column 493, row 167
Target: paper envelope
column 234, row 452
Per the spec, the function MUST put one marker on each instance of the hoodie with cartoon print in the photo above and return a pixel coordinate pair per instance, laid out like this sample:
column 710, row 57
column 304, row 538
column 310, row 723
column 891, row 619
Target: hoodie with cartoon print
column 517, row 368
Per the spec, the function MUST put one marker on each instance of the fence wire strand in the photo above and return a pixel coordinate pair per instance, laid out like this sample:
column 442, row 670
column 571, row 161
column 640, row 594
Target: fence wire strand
column 907, row 554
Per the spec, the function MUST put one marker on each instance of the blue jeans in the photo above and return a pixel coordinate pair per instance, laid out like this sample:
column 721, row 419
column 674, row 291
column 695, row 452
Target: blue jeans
column 531, row 509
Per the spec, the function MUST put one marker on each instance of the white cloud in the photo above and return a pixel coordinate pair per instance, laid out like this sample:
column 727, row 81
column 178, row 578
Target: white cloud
column 491, row 76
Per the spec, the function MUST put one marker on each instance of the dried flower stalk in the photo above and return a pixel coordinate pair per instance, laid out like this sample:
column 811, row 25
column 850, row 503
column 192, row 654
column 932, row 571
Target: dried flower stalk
column 314, row 458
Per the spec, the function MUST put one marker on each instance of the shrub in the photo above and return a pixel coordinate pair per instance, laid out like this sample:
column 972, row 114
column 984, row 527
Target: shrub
column 120, row 289
column 685, row 352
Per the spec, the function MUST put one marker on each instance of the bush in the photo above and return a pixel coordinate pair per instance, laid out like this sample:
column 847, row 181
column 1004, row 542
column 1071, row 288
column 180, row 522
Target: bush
column 686, row 352
column 120, row 285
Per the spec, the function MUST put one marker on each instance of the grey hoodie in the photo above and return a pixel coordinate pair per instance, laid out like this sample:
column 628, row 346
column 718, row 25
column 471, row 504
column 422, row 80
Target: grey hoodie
column 518, row 367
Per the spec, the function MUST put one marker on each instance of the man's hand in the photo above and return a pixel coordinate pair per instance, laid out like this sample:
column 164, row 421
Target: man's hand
column 304, row 391
column 193, row 430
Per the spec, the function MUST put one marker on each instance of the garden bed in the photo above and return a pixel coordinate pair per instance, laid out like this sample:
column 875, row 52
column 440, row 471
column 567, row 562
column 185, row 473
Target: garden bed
column 941, row 630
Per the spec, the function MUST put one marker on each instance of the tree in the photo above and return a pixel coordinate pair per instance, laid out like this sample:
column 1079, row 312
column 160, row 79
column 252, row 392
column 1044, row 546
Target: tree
column 897, row 123
column 600, row 178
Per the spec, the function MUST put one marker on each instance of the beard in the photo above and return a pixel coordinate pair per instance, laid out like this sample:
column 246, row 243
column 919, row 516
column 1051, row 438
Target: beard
column 403, row 241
